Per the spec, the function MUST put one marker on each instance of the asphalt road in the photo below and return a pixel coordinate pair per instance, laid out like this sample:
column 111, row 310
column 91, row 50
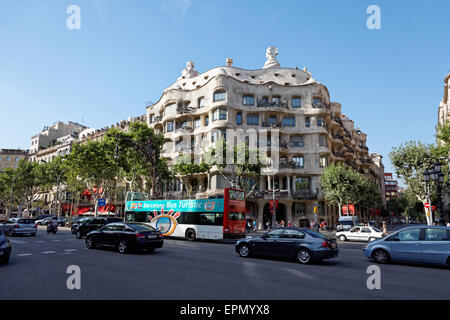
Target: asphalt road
column 202, row 270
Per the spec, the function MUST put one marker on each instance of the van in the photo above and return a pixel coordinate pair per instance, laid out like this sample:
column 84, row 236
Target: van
column 347, row 223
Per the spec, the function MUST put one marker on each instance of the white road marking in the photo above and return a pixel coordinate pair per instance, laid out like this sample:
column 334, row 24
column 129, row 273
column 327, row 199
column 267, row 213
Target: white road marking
column 40, row 241
column 48, row 252
column 71, row 239
column 24, row 254
column 70, row 250
column 56, row 240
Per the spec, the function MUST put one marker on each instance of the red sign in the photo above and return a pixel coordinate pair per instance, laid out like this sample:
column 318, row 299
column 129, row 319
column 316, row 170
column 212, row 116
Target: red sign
column 350, row 210
column 427, row 205
column 271, row 205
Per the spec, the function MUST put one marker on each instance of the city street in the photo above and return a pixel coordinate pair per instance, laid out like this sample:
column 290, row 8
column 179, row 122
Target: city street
column 202, row 270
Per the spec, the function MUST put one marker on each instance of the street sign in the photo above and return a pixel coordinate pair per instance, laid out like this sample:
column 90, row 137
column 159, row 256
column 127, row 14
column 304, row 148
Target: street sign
column 101, row 202
column 427, row 205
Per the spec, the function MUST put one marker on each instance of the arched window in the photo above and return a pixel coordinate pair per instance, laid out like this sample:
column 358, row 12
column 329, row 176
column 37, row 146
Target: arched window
column 220, row 96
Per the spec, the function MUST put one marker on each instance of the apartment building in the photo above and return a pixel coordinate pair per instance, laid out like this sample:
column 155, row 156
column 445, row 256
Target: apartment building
column 9, row 158
column 287, row 103
column 391, row 186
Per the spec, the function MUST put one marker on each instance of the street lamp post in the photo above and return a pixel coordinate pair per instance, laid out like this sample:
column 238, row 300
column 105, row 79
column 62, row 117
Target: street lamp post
column 437, row 176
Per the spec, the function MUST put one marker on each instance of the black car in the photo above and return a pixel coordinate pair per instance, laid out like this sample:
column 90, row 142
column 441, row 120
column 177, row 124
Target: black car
column 76, row 222
column 126, row 237
column 92, row 224
column 302, row 244
column 5, row 248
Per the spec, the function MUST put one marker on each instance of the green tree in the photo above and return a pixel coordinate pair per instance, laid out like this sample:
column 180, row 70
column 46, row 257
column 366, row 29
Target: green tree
column 245, row 171
column 186, row 169
column 139, row 156
column 92, row 166
column 410, row 161
column 340, row 185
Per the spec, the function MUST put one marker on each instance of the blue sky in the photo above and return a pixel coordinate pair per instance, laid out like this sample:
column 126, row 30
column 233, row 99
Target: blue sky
column 388, row 81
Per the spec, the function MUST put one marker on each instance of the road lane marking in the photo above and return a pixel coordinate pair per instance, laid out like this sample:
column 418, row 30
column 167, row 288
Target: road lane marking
column 48, row 252
column 40, row 241
column 56, row 240
column 24, row 254
column 70, row 250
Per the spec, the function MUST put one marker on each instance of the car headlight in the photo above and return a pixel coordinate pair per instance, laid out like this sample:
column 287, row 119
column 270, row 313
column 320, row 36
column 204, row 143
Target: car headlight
column 4, row 245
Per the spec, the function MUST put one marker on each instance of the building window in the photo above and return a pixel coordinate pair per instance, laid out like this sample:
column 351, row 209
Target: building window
column 206, row 121
column 317, row 101
column 323, row 161
column 248, row 100
column 220, row 114
column 322, row 140
column 303, row 184
column 252, row 120
column 8, row 159
column 272, row 120
column 276, row 99
column 297, row 142
column 289, row 122
column 17, row 159
column 201, row 102
column 308, row 122
column 239, row 118
column 169, row 126
column 220, row 96
column 299, row 209
column 296, row 102
column 197, row 123
column 299, row 162
column 320, row 122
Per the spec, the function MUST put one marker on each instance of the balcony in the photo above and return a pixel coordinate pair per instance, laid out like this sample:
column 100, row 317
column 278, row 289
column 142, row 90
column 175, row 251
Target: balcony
column 337, row 120
column 304, row 195
column 185, row 129
column 271, row 124
column 186, row 109
column 264, row 103
column 321, row 105
column 338, row 154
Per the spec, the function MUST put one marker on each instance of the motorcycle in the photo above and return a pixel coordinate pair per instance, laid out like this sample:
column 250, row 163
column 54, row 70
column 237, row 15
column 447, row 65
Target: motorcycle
column 52, row 228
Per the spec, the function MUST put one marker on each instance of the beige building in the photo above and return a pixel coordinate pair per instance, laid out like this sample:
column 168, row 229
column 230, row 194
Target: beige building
column 290, row 103
column 444, row 105
column 10, row 158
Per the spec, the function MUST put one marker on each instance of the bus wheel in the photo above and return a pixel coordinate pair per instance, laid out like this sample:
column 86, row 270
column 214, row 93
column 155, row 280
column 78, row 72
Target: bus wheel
column 190, row 235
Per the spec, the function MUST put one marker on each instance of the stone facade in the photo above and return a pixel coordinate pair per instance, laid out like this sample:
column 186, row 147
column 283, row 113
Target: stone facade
column 444, row 105
column 313, row 133
column 9, row 158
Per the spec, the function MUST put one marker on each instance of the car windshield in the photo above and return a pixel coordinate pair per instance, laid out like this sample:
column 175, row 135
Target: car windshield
column 376, row 229
column 141, row 227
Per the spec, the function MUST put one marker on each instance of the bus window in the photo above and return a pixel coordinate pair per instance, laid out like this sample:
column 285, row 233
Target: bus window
column 211, row 219
column 236, row 216
column 136, row 217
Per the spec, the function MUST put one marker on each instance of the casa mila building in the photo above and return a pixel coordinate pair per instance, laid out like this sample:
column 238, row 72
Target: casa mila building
column 287, row 103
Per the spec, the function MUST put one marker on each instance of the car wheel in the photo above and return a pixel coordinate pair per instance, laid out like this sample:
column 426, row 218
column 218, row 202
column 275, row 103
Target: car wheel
column 150, row 250
column 78, row 234
column 380, row 256
column 304, row 256
column 343, row 238
column 4, row 260
column 190, row 235
column 90, row 243
column 122, row 247
column 34, row 234
column 244, row 250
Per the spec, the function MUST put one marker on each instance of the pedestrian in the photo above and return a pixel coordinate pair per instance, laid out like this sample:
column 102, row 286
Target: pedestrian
column 254, row 226
column 384, row 228
column 289, row 224
column 282, row 224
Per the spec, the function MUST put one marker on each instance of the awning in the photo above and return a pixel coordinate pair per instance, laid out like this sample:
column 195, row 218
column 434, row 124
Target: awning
column 107, row 208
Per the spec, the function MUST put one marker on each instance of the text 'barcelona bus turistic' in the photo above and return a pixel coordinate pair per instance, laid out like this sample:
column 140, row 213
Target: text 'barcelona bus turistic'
column 212, row 219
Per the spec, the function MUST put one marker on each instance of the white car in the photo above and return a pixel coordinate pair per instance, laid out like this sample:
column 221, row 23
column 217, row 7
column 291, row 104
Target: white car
column 360, row 233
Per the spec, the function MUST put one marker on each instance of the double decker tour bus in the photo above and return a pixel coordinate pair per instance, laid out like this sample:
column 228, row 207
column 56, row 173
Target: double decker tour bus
column 212, row 219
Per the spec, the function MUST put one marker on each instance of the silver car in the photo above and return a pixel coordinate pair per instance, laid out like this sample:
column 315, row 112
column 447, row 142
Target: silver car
column 15, row 226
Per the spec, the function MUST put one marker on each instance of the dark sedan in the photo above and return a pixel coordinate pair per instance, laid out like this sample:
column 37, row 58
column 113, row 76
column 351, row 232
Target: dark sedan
column 92, row 224
column 302, row 244
column 5, row 248
column 126, row 237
